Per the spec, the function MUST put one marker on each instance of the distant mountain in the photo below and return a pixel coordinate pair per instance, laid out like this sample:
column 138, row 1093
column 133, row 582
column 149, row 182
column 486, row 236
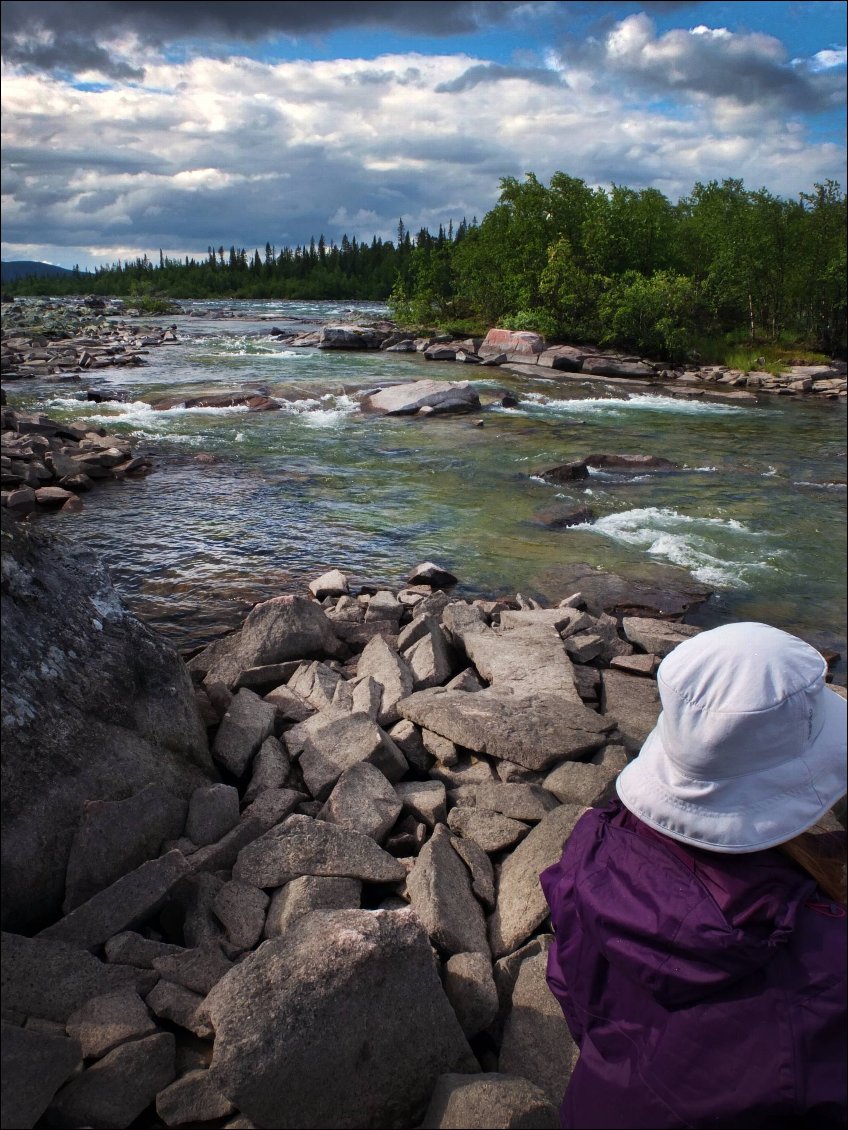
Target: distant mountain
column 20, row 268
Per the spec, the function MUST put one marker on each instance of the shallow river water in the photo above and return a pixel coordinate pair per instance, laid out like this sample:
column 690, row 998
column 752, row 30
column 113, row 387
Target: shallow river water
column 757, row 511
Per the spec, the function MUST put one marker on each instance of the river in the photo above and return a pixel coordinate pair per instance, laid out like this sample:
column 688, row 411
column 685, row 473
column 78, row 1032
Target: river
column 757, row 510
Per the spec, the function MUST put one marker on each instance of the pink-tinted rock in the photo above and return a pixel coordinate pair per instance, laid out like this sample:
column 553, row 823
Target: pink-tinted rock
column 518, row 345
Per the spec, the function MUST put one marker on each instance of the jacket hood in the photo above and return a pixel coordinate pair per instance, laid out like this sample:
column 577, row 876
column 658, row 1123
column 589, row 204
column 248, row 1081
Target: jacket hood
column 681, row 922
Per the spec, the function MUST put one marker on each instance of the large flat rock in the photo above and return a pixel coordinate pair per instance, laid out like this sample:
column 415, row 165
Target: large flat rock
column 436, row 396
column 341, row 1023
column 533, row 732
column 34, row 1067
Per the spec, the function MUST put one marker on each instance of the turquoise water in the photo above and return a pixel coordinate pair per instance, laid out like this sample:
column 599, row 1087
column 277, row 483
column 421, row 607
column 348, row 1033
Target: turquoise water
column 757, row 510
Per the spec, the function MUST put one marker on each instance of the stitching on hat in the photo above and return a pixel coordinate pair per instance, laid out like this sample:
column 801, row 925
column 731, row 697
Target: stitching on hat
column 740, row 713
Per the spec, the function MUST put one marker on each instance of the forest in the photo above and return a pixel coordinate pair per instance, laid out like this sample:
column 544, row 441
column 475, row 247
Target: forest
column 724, row 267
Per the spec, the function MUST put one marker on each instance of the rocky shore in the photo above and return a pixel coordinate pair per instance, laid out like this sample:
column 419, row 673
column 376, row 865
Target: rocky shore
column 293, row 882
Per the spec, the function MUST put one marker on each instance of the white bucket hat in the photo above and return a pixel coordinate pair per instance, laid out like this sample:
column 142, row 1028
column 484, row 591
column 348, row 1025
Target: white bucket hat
column 750, row 747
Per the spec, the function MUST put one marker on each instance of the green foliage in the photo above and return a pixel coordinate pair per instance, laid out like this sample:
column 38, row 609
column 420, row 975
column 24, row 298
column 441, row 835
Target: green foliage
column 654, row 315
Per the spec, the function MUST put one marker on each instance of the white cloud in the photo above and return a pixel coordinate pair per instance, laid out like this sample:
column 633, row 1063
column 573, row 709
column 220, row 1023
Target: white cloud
column 239, row 151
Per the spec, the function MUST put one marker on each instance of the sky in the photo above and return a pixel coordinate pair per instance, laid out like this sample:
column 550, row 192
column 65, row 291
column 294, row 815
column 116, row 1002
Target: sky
column 138, row 126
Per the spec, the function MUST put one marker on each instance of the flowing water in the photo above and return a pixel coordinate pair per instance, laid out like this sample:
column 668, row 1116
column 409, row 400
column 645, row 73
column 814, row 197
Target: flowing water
column 757, row 511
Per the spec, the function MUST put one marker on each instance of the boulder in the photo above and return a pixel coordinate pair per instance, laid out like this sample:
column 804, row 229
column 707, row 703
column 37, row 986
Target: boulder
column 566, row 358
column 490, row 830
column 519, row 800
column 364, row 801
column 587, row 783
column 470, row 988
column 96, row 707
column 428, row 573
column 668, row 592
column 517, row 345
column 302, row 896
column 617, row 367
column 537, row 1044
column 407, row 399
column 132, row 899
column 285, row 627
column 521, row 905
column 116, row 836
column 172, row 1002
column 249, row 720
column 429, row 659
column 198, row 968
column 340, row 744
column 534, row 732
column 351, row 337
column 130, row 948
column 272, row 806
column 213, row 810
column 488, row 1101
column 562, row 516
column 439, row 888
column 191, row 1099
column 113, row 1092
column 241, row 907
column 565, row 472
column 656, row 636
column 34, row 1067
column 333, row 583
column 270, row 769
column 633, row 703
column 106, row 1021
column 479, row 867
column 635, row 463
column 305, row 1019
column 302, row 846
column 391, row 671
column 426, row 800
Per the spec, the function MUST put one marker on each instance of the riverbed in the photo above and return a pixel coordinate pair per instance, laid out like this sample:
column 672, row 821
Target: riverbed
column 756, row 511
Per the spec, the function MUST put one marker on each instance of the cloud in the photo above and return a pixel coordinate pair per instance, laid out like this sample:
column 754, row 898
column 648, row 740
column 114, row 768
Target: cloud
column 238, row 151
column 751, row 68
column 52, row 35
column 497, row 72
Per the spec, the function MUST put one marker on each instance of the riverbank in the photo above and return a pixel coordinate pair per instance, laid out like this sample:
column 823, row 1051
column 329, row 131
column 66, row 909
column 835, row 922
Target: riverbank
column 295, row 883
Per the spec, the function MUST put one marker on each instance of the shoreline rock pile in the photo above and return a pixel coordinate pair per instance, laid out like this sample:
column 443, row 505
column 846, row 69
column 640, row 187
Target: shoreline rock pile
column 47, row 465
column 345, row 929
column 58, row 342
column 524, row 353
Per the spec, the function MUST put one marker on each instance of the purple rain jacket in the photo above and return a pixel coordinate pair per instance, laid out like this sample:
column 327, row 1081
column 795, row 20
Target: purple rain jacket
column 703, row 990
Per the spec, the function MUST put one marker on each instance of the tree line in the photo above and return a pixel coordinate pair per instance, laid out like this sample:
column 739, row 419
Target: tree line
column 619, row 266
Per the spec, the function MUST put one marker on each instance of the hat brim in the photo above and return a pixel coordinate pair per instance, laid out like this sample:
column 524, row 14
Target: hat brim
column 741, row 814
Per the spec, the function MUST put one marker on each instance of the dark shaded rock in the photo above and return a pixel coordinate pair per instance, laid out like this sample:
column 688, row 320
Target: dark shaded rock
column 129, row 948
column 566, row 472
column 633, row 703
column 197, row 969
column 428, row 573
column 470, row 988
column 309, row 893
column 489, row 1101
column 637, row 463
column 241, row 909
column 562, row 516
column 480, row 868
column 96, row 707
column 213, row 811
column 617, row 367
column 115, row 837
column 192, row 1098
column 129, row 900
column 426, row 800
column 34, row 1067
column 107, row 1021
column 113, row 1092
column 180, row 1006
column 668, row 593
column 297, row 1022
column 566, row 358
column 249, row 720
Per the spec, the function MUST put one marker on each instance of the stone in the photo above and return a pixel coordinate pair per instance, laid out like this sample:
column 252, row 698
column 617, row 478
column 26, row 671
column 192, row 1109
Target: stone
column 583, row 783
column 488, row 1101
column 407, row 399
column 584, row 646
column 283, row 628
column 636, row 664
column 267, row 676
column 116, row 836
column 181, row 1006
column 666, row 594
column 617, row 367
column 657, row 637
column 561, row 516
column 566, row 358
column 129, row 948
column 480, row 868
column 410, row 742
column 638, row 463
column 383, row 605
column 490, row 830
column 364, row 801
column 429, row 660
column 391, row 671
column 129, row 900
column 343, row 743
column 444, row 751
column 192, row 1098
column 34, row 1067
column 270, row 769
column 350, row 337
column 271, row 807
column 315, row 683
column 289, row 706
column 534, row 732
column 115, row 1090
column 571, row 472
column 241, row 909
column 519, row 800
column 506, row 970
column 517, row 345
column 470, row 988
column 106, row 1021
column 248, row 722
column 221, row 855
column 469, row 770
column 467, row 680
column 537, row 1044
column 428, row 573
column 633, row 703
column 52, row 496
column 307, row 894
column 198, row 968
column 333, row 583
column 297, row 1020
column 521, row 905
column 213, row 810
column 302, row 846
column 426, row 800
column 439, row 889
column 200, row 926
column 71, row 652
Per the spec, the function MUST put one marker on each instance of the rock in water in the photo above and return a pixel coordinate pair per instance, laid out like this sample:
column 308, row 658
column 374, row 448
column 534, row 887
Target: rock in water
column 95, row 707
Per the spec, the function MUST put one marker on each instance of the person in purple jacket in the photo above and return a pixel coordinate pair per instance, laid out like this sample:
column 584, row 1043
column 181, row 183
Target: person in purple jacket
column 700, row 925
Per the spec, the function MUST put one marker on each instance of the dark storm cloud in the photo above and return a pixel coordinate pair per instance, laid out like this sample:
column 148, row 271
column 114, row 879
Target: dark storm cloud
column 497, row 72
column 54, row 35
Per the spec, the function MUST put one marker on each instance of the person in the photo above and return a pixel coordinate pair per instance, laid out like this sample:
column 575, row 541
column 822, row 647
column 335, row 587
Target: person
column 699, row 924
